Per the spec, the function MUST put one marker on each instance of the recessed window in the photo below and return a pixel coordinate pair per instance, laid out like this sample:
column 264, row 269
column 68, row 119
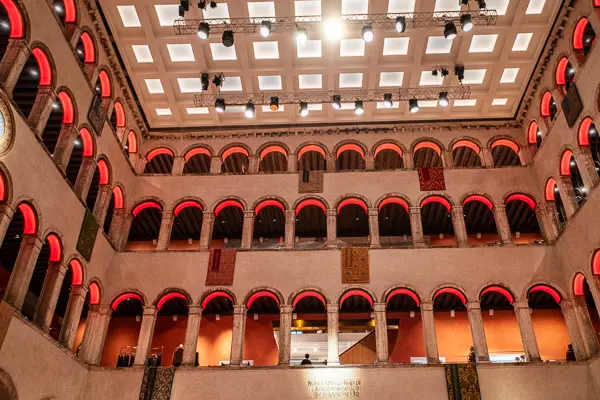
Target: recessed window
column 391, row 79
column 163, row 111
column 315, row 107
column 307, row 8
column 189, row 85
column 438, row 45
column 221, row 53
column 447, row 5
column 483, row 43
column 166, row 13
column 312, row 81
column 509, row 75
column 310, row 49
column 181, row 52
column 401, row 6
column 261, row 9
column 269, row 82
column 266, row 50
column 499, row 102
column 474, row 76
column 221, row 11
column 499, row 5
column 351, row 80
column 522, row 41
column 197, row 110
column 427, row 79
column 154, row 86
column 129, row 16
column 142, row 53
column 535, row 7
column 397, row 46
column 355, row 7
column 352, row 48
column 465, row 103
column 232, row 84
column 427, row 103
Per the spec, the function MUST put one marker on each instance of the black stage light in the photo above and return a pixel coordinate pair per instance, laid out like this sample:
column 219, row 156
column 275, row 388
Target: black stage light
column 227, row 38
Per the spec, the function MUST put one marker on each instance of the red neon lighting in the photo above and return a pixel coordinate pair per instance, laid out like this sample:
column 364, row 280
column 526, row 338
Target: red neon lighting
column 228, row 203
column 310, row 202
column 532, row 132
column 428, row 145
column 104, row 84
column 578, row 33
column 195, row 152
column 215, row 295
column 583, row 137
column 132, row 142
column 352, row 147
column 14, row 16
column 234, row 150
column 120, row 114
column 596, row 263
column 55, row 248
column 388, row 146
column 545, row 106
column 393, row 200
column 561, row 70
column 147, row 204
column 104, row 172
column 453, row 291
column 521, row 197
column 186, row 204
column 466, row 143
column 565, row 161
column 501, row 290
column 88, row 48
column 2, row 188
column 67, row 107
column 30, row 218
column 354, row 201
column 578, row 284
column 436, row 199
column 309, row 293
column 44, row 65
column 480, row 199
column 258, row 295
column 70, row 11
column 77, row 272
column 311, row 147
column 356, row 292
column 123, row 297
column 508, row 143
column 269, row 203
column 94, row 290
column 118, row 197
column 549, row 190
column 402, row 291
column 272, row 149
column 547, row 289
column 156, row 152
column 597, row 3
column 169, row 296
column 88, row 143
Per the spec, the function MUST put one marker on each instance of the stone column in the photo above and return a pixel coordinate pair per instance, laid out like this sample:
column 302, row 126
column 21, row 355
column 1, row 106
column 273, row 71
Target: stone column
column 192, row 329
column 68, row 330
column 431, row 347
column 594, row 285
column 145, row 338
column 121, row 133
column 215, row 165
column 331, row 162
column 253, row 164
column 477, row 331
column 178, row 164
column 102, row 203
column 6, row 215
column 374, row 227
column 85, row 177
column 381, row 337
column 237, row 337
column 64, row 146
column 502, row 224
column 369, row 162
column 292, row 163
column 460, row 229
column 527, row 152
column 290, row 228
column 42, row 107
column 447, row 159
column 23, row 270
column 526, row 328
column 487, row 160
column 331, row 227
column 567, row 195
column 12, row 64
column 546, row 221
column 285, row 334
column 567, row 306
column 333, row 352
column 586, row 329
column 95, row 334
column 119, row 228
column 416, row 227
column 141, row 164
column 55, row 275
column 248, row 229
column 208, row 218
column 164, row 234
column 408, row 160
column 587, row 168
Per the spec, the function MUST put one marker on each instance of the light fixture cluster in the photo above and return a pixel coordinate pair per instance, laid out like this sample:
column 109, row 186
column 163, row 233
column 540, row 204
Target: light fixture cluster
column 217, row 80
column 184, row 6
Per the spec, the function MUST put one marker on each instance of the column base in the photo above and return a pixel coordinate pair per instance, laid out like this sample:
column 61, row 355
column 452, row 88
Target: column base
column 375, row 246
column 382, row 362
column 419, row 245
column 463, row 244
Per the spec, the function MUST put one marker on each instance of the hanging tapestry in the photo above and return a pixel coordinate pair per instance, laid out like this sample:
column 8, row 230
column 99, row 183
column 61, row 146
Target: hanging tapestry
column 87, row 235
column 310, row 182
column 355, row 265
column 157, row 383
column 221, row 267
column 462, row 382
column 431, row 179
column 97, row 115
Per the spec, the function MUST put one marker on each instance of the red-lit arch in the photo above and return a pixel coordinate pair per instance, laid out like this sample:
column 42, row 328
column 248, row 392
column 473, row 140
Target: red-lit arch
column 169, row 296
column 273, row 149
column 403, row 291
column 186, row 204
column 77, row 273
column 119, row 197
column 147, row 204
column 521, row 197
column 350, row 147
column 70, row 11
column 259, row 294
column 467, row 143
column 55, row 246
column 507, row 143
column 120, row 114
column 105, row 89
column 545, row 104
column 583, row 138
column 578, row 284
column 561, row 70
column 437, row 199
column 354, row 201
column 234, row 150
column 158, row 151
column 578, row 33
column 104, row 172
column 3, row 187
column 132, row 146
column 213, row 295
column 17, row 27
column 480, row 199
column 30, row 218
column 388, row 146
column 547, row 289
column 596, row 263
column 549, row 189
column 532, row 132
column 269, row 203
column 498, row 289
column 311, row 147
column 565, row 160
column 87, row 142
column 228, row 203
column 428, row 145
column 196, row 151
column 44, row 65
column 89, row 50
column 125, row 296
column 310, row 202
column 394, row 200
column 453, row 291
column 94, row 290
column 356, row 292
column 308, row 293
column 66, row 104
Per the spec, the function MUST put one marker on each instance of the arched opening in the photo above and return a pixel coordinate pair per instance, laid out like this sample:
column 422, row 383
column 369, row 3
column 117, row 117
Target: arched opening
column 505, row 153
column 452, row 325
column 311, row 223
column 66, row 11
column 169, row 327
column 565, row 74
column 197, row 161
column 480, row 221
column 187, row 226
column 568, row 168
column 36, row 73
column 214, row 341
column 273, row 159
column 350, row 157
column 262, row 321
column 92, row 298
column 103, row 85
column 160, row 161
column 589, row 140
column 269, row 224
column 353, row 221
column 427, row 155
column 436, row 219
column 312, row 158
column 583, row 36
column 11, row 24
column 584, row 299
column 131, row 144
column 228, row 224
column 85, row 50
column 522, row 219
column 394, row 222
column 405, row 328
column 117, row 118
column 123, row 331
column 73, row 278
column 101, row 178
column 534, row 134
column 548, row 107
column 465, row 154
column 388, row 156
column 145, row 226
column 236, row 161
column 83, row 146
column 309, row 328
column 548, row 322
column 62, row 114
column 116, row 203
column 500, row 324
column 356, row 340
column 552, row 195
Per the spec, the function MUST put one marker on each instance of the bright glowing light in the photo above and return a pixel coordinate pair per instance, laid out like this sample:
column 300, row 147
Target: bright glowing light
column 334, row 29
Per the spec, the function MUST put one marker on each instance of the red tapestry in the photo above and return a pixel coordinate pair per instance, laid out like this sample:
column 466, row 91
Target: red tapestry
column 431, row 179
column 221, row 267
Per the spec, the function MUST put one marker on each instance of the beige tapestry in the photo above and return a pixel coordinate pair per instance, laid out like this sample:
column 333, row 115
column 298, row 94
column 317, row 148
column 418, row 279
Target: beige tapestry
column 355, row 265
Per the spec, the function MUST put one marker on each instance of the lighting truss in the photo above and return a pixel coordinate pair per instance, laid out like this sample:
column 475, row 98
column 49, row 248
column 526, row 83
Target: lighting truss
column 325, row 96
column 184, row 26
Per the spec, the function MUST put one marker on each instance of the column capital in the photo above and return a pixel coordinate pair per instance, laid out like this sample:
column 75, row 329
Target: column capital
column 457, row 207
column 79, row 290
column 208, row 214
column 373, row 212
column 331, row 212
column 379, row 307
column 520, row 304
column 427, row 306
column 32, row 240
column 332, row 308
column 473, row 305
column 248, row 214
column 7, row 210
column 150, row 310
column 567, row 303
column 47, row 90
column 59, row 266
column 285, row 309
column 239, row 309
column 415, row 210
column 195, row 309
column 290, row 213
column 499, row 207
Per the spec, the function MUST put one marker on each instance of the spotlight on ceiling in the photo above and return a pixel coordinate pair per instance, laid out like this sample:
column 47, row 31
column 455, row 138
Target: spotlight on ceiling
column 249, row 112
column 274, row 103
column 367, row 33
column 202, row 4
column 387, row 100
column 301, row 35
column 459, row 70
column 218, row 80
column 466, row 22
column 265, row 29
column 413, row 105
column 303, row 109
column 464, row 2
column 336, row 101
column 445, row 72
column 205, row 81
column 333, row 29
column 434, row 72
column 443, row 101
column 227, row 38
column 400, row 24
column 359, row 108
column 203, row 30
column 220, row 105
column 213, row 4
column 450, row 30
column 481, row 4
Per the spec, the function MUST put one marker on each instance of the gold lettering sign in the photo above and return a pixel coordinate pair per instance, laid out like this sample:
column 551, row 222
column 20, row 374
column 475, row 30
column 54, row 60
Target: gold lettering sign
column 334, row 389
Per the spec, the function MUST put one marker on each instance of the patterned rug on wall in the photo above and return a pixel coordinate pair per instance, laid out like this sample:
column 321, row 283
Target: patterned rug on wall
column 355, row 265
column 462, row 381
column 431, row 179
column 310, row 181
column 221, row 267
column 157, row 383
